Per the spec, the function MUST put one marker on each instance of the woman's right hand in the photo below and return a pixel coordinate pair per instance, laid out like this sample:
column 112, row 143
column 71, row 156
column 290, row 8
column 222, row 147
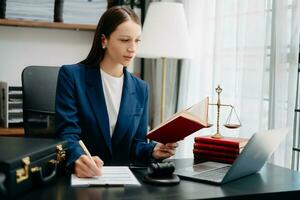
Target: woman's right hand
column 85, row 168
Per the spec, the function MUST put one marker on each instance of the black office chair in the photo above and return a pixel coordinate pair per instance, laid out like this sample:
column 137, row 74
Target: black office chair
column 39, row 89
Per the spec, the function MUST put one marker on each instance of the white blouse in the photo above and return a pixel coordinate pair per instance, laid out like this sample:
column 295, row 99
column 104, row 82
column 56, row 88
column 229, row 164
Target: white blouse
column 112, row 88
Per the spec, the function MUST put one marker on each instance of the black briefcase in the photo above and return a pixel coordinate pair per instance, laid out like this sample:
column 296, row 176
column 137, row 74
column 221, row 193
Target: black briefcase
column 25, row 163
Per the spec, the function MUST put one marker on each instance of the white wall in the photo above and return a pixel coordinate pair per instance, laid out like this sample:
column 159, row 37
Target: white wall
column 20, row 47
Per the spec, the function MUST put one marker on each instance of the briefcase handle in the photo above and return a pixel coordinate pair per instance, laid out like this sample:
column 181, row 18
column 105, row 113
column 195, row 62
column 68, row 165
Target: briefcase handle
column 38, row 172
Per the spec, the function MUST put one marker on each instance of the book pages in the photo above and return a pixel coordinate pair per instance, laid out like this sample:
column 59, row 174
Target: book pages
column 200, row 111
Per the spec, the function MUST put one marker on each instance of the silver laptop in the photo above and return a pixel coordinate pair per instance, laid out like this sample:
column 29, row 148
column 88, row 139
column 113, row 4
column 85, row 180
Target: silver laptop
column 255, row 154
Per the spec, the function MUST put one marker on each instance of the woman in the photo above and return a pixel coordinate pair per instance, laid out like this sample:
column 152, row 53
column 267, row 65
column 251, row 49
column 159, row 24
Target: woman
column 101, row 103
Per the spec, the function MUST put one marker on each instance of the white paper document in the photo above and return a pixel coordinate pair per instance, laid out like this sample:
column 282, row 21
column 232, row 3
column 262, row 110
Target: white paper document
column 111, row 175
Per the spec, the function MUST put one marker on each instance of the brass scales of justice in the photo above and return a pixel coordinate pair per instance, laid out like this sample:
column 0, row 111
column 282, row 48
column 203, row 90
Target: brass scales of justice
column 228, row 123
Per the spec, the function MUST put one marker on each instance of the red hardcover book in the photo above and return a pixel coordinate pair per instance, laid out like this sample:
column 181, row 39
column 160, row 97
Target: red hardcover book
column 234, row 142
column 212, row 158
column 215, row 153
column 181, row 124
column 219, row 148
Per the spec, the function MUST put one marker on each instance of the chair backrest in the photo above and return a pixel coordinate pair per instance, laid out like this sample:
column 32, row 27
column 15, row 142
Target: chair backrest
column 39, row 90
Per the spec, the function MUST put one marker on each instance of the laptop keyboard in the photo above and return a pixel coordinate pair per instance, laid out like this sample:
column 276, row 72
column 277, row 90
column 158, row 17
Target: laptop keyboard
column 214, row 175
column 201, row 168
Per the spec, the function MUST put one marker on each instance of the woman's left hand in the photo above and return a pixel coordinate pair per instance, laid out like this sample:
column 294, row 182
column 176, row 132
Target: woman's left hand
column 162, row 151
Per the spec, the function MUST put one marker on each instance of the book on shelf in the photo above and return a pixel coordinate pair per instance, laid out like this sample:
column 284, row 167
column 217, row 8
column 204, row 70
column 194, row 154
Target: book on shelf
column 218, row 148
column 181, row 124
column 200, row 158
column 215, row 153
column 234, row 142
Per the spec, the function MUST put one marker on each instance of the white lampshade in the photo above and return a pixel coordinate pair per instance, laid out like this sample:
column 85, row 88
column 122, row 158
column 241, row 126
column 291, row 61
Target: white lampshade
column 165, row 32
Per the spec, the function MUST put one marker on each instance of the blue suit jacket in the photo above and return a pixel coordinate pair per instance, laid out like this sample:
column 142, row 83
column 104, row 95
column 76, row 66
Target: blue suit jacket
column 81, row 114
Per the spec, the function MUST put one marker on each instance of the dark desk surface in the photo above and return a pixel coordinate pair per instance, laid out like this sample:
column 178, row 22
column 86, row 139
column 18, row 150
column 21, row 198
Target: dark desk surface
column 272, row 182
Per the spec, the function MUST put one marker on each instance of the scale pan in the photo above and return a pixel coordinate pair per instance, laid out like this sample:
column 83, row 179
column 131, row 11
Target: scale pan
column 232, row 126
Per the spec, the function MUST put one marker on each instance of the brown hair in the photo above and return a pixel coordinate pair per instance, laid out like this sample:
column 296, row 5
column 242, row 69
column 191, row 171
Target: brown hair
column 107, row 24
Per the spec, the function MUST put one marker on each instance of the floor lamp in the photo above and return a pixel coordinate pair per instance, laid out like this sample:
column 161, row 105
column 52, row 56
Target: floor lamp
column 165, row 35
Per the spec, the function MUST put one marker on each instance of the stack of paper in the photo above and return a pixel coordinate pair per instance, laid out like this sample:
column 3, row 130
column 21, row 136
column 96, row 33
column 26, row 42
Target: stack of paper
column 83, row 11
column 114, row 176
column 36, row 10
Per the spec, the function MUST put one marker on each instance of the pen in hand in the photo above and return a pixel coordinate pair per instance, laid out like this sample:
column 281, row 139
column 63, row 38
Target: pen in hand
column 86, row 151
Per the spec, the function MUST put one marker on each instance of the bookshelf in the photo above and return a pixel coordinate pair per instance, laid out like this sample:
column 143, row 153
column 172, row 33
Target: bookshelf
column 51, row 25
column 12, row 132
column 11, row 101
